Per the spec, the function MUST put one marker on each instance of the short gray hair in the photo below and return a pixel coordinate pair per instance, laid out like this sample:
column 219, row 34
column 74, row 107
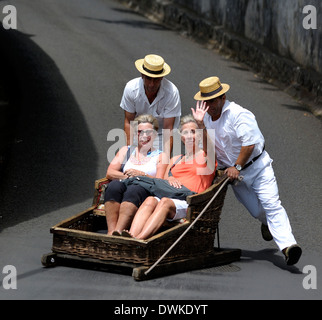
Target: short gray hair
column 187, row 119
column 147, row 118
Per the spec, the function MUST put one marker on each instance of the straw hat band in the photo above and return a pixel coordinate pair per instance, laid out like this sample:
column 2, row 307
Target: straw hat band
column 211, row 88
column 151, row 71
column 153, row 66
column 209, row 94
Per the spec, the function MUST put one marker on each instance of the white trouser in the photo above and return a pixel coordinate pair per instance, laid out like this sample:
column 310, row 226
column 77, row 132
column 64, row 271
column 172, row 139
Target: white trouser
column 258, row 192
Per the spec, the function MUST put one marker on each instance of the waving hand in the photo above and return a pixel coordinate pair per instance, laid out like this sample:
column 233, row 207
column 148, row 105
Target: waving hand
column 199, row 113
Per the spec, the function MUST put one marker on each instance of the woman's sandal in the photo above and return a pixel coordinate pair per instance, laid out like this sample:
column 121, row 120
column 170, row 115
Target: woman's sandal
column 116, row 233
column 126, row 234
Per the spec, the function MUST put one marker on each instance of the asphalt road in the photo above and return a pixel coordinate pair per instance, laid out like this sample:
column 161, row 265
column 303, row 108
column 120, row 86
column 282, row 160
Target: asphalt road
column 71, row 61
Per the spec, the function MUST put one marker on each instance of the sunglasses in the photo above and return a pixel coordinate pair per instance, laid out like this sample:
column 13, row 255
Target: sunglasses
column 145, row 132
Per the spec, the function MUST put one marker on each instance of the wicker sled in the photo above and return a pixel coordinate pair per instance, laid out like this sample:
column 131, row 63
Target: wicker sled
column 79, row 240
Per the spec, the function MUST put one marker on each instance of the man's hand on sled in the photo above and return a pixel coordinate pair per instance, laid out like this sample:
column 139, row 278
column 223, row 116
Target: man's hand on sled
column 232, row 173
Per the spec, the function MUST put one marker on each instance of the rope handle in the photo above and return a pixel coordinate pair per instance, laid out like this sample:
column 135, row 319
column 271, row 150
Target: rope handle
column 240, row 178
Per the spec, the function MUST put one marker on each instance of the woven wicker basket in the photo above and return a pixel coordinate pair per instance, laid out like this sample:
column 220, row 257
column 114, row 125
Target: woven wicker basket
column 79, row 235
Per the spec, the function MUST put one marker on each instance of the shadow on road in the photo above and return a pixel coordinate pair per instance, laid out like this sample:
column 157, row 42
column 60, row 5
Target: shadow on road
column 271, row 256
column 133, row 23
column 52, row 163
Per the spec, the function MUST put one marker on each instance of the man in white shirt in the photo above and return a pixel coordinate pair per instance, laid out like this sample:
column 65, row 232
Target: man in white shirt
column 155, row 95
column 240, row 148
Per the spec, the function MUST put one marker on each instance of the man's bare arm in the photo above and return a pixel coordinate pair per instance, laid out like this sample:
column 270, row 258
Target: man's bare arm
column 128, row 117
column 168, row 124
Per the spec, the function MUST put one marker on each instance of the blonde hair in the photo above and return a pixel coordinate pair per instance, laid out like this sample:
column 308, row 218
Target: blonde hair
column 187, row 119
column 147, row 118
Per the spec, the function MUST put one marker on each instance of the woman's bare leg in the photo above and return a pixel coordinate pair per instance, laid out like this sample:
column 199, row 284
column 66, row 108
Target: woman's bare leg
column 126, row 215
column 142, row 215
column 112, row 209
column 165, row 209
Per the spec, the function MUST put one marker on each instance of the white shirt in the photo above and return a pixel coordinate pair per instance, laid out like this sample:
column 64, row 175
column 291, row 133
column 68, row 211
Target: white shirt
column 149, row 166
column 236, row 128
column 167, row 103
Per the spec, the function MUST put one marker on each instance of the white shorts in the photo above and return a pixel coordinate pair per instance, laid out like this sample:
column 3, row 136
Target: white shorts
column 181, row 209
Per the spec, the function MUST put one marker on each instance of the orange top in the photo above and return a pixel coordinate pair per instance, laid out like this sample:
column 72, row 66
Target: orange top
column 195, row 175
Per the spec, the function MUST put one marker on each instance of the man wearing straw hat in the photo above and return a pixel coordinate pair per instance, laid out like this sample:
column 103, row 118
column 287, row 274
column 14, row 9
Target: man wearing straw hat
column 152, row 94
column 240, row 149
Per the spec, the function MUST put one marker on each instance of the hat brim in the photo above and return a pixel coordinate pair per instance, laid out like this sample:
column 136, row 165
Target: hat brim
column 225, row 88
column 139, row 66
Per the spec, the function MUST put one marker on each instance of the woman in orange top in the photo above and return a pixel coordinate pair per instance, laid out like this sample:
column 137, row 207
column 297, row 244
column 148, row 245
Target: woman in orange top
column 195, row 170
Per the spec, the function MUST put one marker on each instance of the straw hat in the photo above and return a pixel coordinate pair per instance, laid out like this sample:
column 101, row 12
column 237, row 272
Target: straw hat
column 211, row 88
column 153, row 66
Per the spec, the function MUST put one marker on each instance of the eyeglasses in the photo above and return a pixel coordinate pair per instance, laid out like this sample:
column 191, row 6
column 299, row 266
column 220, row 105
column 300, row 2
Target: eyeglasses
column 145, row 132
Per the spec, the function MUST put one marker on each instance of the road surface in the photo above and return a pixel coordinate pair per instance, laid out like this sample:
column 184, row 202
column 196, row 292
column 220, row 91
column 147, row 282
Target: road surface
column 71, row 61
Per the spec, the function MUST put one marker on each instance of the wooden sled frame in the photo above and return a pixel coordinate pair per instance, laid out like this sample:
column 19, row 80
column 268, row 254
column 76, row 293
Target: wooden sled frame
column 77, row 241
